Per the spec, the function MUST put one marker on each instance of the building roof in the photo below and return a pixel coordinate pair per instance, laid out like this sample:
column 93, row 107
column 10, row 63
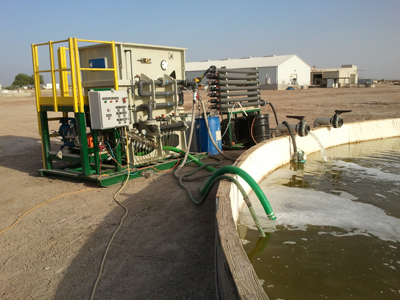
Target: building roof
column 245, row 62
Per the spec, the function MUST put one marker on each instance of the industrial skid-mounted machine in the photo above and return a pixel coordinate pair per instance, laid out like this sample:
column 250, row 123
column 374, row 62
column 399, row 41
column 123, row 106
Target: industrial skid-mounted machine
column 117, row 105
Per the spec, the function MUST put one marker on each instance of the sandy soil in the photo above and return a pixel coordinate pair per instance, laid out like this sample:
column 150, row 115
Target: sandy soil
column 164, row 249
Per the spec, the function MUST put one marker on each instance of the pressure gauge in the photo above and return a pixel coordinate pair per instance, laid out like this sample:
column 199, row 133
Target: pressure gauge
column 164, row 65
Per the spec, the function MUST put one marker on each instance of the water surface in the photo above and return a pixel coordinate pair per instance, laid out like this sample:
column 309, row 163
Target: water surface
column 337, row 235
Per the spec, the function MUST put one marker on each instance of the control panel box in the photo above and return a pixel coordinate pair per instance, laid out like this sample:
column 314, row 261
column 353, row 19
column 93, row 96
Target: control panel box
column 109, row 109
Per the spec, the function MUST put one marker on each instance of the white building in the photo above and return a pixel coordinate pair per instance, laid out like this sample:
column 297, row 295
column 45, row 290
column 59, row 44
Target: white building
column 335, row 77
column 275, row 72
column 49, row 86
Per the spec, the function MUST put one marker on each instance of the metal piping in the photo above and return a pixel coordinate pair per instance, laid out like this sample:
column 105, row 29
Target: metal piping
column 321, row 121
column 159, row 82
column 241, row 82
column 234, row 94
column 233, row 88
column 284, row 129
column 142, row 140
column 231, row 76
column 261, row 103
column 248, row 71
column 149, row 107
column 238, row 99
column 178, row 125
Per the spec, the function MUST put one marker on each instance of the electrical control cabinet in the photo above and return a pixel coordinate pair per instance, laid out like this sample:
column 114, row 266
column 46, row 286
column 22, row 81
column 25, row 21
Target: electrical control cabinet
column 109, row 109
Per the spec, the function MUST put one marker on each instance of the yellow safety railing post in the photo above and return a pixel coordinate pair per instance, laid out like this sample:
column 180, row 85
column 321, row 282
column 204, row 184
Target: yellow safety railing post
column 36, row 75
column 62, row 64
column 53, row 76
column 78, row 76
column 73, row 72
column 114, row 65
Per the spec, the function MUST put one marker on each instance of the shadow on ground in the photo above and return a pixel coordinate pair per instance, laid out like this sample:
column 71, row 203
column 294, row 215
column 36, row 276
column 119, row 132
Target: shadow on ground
column 164, row 250
column 22, row 154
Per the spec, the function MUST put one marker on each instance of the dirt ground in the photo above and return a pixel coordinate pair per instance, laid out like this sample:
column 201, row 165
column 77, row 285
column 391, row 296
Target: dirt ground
column 164, row 249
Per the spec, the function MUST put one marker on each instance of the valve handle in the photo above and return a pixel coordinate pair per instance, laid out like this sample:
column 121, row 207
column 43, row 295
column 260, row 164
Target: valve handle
column 300, row 118
column 342, row 111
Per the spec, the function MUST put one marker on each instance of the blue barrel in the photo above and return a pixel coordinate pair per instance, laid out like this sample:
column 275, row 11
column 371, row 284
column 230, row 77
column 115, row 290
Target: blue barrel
column 204, row 143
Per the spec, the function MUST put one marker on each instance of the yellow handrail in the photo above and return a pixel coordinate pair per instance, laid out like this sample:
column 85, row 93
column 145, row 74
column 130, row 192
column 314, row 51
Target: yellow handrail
column 78, row 99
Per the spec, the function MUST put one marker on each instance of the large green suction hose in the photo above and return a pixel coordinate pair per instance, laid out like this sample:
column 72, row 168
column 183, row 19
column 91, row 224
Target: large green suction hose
column 250, row 181
column 210, row 186
column 234, row 170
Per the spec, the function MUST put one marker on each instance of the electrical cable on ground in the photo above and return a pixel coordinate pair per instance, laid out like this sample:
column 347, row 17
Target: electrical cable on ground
column 120, row 222
column 17, row 220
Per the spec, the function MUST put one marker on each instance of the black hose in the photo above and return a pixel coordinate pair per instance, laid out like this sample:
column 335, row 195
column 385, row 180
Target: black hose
column 253, row 93
column 232, row 76
column 186, row 178
column 209, row 187
column 241, row 82
column 291, row 134
column 273, row 109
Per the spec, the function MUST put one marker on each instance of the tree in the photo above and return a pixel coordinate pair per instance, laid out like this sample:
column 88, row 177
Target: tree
column 23, row 79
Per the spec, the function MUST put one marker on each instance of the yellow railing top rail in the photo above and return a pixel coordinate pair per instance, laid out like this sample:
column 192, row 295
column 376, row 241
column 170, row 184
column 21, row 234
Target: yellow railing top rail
column 74, row 71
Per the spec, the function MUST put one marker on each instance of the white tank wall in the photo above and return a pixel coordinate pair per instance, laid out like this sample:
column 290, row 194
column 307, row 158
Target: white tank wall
column 276, row 152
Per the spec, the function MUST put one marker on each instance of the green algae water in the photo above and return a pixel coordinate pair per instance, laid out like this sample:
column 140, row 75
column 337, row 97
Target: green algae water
column 337, row 235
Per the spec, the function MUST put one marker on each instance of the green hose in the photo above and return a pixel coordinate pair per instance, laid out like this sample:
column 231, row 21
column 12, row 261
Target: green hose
column 250, row 181
column 194, row 159
column 208, row 190
column 234, row 170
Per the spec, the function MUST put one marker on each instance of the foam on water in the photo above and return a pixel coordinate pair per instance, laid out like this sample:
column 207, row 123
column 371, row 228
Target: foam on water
column 372, row 172
column 297, row 208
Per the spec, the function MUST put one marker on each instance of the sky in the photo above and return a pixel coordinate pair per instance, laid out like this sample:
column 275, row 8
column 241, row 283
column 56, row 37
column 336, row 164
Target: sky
column 326, row 34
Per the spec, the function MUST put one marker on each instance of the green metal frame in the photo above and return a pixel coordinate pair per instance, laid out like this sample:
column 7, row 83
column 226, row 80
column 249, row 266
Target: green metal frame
column 86, row 165
column 109, row 176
